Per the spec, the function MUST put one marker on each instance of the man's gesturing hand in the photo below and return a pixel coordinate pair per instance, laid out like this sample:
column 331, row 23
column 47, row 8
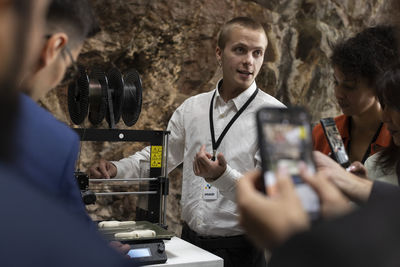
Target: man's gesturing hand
column 205, row 167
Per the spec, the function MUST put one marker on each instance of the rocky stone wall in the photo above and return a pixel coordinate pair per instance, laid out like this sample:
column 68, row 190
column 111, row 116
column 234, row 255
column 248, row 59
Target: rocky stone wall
column 172, row 44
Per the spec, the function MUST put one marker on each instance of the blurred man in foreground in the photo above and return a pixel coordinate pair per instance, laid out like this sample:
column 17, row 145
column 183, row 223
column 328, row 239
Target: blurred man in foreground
column 35, row 228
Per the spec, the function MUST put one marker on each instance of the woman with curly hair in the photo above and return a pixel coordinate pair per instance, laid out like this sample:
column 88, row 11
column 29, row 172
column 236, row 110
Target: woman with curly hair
column 357, row 62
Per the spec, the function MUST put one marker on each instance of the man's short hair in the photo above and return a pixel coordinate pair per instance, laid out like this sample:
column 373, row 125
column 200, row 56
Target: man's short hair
column 244, row 22
column 74, row 17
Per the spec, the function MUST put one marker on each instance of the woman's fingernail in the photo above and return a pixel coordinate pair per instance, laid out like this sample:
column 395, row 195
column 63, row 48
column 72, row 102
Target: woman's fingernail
column 282, row 171
column 350, row 168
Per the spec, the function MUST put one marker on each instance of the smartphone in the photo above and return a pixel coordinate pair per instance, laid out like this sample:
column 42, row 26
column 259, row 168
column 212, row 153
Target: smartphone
column 335, row 142
column 285, row 140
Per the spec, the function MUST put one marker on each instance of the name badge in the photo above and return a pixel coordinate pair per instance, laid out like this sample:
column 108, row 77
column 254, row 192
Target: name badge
column 210, row 192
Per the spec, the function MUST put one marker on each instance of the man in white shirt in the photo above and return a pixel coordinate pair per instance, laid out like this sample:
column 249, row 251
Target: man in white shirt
column 209, row 179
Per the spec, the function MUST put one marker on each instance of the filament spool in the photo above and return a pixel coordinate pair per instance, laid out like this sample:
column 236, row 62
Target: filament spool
column 132, row 104
column 78, row 97
column 97, row 96
column 90, row 93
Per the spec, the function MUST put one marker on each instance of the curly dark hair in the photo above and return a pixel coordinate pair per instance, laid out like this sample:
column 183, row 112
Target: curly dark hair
column 368, row 54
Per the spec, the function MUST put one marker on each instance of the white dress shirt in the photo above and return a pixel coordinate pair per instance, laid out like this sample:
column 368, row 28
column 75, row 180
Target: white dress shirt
column 190, row 129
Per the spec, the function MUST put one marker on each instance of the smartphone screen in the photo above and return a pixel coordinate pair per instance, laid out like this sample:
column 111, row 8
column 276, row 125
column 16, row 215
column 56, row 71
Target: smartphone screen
column 285, row 140
column 335, row 141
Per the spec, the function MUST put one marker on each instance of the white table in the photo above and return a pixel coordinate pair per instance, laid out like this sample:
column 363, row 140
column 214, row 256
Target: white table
column 182, row 253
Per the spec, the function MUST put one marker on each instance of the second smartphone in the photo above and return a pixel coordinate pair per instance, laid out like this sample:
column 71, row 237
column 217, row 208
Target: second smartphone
column 285, row 140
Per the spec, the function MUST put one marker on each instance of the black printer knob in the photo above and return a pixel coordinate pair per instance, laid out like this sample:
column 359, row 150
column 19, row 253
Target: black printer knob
column 160, row 248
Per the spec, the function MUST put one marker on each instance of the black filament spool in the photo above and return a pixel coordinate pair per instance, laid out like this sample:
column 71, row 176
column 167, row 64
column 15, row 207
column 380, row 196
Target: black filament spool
column 116, row 85
column 78, row 97
column 132, row 104
column 97, row 96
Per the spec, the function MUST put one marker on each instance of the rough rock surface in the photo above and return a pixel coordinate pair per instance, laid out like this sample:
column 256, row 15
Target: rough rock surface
column 172, row 44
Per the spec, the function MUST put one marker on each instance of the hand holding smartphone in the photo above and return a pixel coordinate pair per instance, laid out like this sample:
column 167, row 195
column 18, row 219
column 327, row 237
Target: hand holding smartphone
column 285, row 140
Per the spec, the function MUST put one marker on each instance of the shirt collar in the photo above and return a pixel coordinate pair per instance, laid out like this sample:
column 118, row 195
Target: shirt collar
column 241, row 99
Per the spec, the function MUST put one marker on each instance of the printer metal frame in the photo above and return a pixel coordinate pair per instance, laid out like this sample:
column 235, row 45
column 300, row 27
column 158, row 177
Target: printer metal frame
column 158, row 140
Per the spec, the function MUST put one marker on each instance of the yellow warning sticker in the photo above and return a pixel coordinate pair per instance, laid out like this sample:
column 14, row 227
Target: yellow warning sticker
column 302, row 133
column 156, row 157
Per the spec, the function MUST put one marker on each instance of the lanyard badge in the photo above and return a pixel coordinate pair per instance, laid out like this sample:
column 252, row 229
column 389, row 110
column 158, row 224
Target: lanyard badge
column 210, row 192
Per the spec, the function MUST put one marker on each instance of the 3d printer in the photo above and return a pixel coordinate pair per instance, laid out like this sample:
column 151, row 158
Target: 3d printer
column 99, row 95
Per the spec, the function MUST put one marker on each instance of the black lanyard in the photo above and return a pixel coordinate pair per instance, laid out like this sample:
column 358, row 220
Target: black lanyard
column 215, row 145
